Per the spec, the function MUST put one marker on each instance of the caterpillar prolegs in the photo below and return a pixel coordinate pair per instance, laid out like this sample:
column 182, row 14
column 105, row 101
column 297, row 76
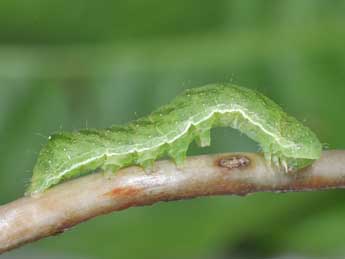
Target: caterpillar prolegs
column 169, row 130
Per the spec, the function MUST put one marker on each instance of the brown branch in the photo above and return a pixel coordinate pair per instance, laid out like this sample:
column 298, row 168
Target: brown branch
column 70, row 203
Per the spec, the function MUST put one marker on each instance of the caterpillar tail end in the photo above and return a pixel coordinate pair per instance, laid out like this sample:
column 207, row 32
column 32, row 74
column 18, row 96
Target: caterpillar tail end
column 36, row 187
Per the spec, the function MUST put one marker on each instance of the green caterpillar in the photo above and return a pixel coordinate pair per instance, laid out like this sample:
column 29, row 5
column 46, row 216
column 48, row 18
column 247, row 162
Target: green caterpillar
column 169, row 130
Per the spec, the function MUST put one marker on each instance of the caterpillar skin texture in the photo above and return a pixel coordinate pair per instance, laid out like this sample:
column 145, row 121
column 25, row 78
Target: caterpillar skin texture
column 286, row 143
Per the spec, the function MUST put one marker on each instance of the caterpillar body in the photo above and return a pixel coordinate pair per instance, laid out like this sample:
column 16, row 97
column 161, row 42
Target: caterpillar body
column 285, row 142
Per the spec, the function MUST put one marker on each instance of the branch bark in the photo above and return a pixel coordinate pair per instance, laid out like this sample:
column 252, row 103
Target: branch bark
column 68, row 204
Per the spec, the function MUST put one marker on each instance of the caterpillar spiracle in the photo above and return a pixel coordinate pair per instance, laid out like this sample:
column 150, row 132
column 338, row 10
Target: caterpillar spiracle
column 285, row 142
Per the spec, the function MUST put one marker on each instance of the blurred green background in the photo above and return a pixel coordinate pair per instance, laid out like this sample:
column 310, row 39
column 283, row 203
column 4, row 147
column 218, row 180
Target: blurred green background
column 66, row 65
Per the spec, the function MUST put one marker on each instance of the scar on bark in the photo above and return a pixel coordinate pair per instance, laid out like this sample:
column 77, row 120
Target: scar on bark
column 125, row 192
column 233, row 161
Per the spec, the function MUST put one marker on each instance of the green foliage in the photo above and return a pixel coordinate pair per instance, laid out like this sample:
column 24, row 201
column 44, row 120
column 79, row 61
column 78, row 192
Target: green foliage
column 292, row 51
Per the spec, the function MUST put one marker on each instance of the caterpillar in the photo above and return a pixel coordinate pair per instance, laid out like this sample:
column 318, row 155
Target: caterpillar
column 285, row 142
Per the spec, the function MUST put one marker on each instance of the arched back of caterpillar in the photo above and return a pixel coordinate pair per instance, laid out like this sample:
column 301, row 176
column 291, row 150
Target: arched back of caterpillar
column 169, row 130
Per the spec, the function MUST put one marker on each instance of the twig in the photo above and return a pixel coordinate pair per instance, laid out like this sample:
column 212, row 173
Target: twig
column 70, row 203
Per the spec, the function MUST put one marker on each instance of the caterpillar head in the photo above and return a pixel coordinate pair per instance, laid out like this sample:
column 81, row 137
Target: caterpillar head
column 302, row 146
